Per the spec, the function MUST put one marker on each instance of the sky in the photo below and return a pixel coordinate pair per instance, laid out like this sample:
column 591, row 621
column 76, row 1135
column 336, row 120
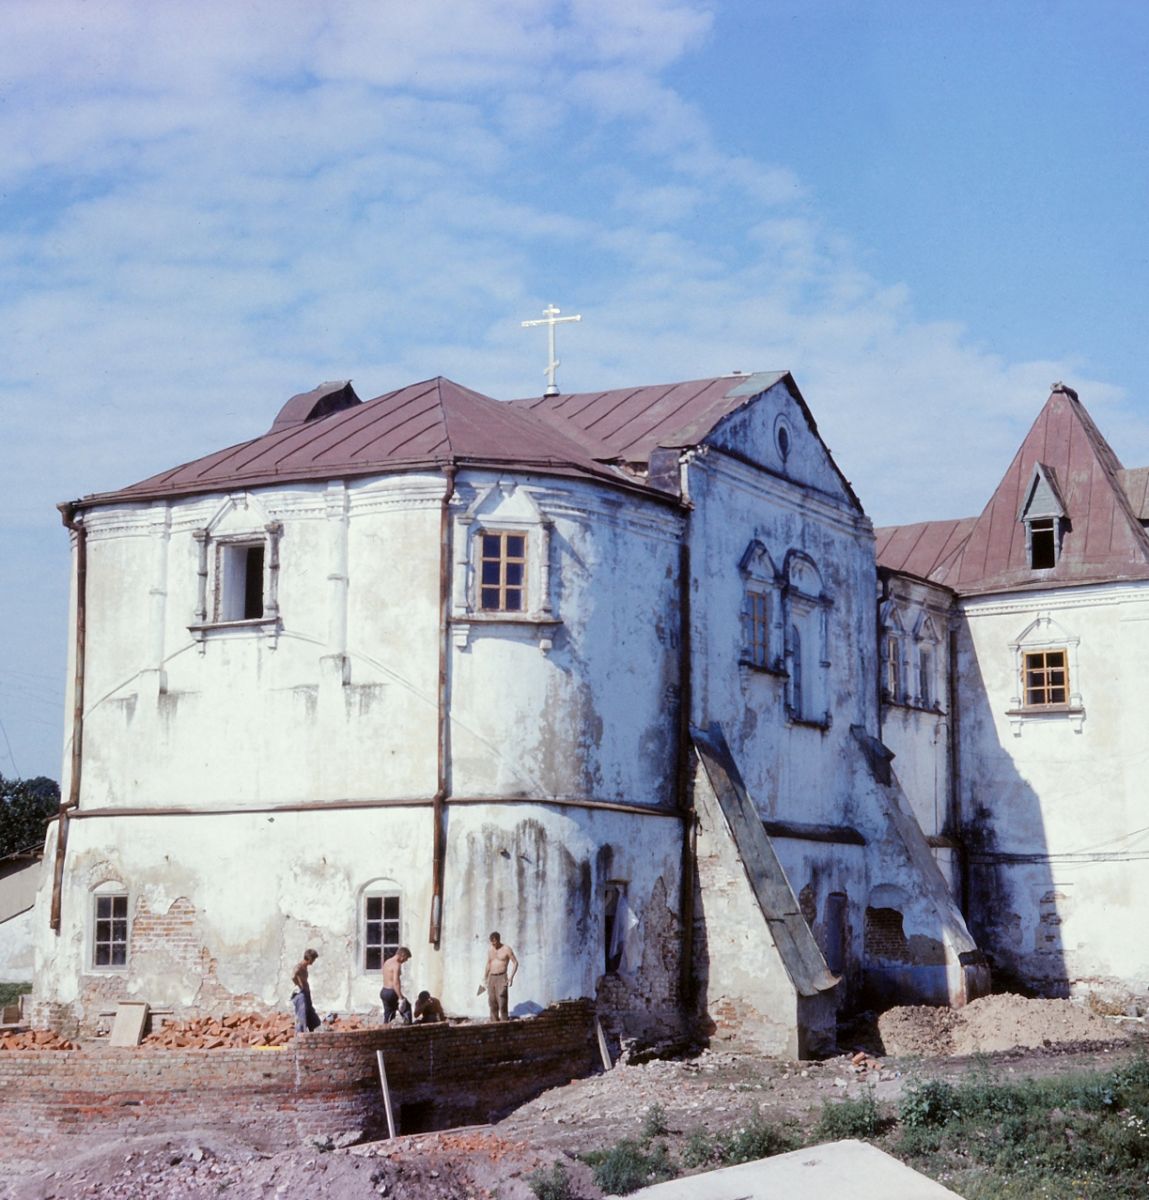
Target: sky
column 927, row 212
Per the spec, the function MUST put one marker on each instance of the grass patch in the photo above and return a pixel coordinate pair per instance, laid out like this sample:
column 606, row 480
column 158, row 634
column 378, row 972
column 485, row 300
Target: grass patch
column 629, row 1165
column 554, row 1184
column 857, row 1118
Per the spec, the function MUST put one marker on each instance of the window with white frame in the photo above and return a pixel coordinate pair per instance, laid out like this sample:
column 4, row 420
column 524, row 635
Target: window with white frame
column 381, row 917
column 502, row 570
column 241, row 588
column 109, row 927
column 1048, row 675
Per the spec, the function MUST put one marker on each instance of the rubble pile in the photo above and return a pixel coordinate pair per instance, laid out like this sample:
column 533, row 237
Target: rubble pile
column 35, row 1039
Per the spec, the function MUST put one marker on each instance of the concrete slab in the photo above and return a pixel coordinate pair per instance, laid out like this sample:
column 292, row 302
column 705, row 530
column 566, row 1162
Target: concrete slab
column 128, row 1027
column 849, row 1168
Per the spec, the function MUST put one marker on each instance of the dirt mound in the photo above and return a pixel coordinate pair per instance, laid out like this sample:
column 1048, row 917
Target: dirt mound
column 990, row 1025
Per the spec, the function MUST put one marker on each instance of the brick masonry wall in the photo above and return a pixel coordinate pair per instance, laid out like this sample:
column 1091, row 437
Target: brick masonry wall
column 326, row 1082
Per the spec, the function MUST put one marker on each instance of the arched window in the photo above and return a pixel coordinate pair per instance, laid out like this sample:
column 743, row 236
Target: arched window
column 807, row 654
column 110, row 926
column 380, row 924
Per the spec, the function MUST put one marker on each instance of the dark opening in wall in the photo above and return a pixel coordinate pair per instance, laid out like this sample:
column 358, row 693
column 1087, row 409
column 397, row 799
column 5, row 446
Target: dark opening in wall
column 884, row 937
column 835, row 926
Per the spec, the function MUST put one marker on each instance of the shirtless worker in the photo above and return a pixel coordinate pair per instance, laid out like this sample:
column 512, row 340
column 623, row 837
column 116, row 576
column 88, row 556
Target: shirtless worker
column 306, row 1018
column 391, row 993
column 497, row 979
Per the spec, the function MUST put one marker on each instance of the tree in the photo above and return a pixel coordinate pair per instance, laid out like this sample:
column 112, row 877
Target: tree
column 25, row 806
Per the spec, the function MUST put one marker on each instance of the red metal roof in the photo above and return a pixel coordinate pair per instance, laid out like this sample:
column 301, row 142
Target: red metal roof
column 1102, row 539
column 424, row 425
column 928, row 550
column 328, row 433
column 629, row 423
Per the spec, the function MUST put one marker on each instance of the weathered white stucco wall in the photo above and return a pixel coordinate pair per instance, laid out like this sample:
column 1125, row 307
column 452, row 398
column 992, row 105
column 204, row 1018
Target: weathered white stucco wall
column 1053, row 805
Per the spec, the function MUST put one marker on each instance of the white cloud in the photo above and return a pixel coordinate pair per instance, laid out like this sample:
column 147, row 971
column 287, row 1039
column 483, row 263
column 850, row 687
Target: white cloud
column 212, row 207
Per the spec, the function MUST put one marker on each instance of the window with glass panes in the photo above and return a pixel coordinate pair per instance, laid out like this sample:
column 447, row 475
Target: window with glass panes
column 1045, row 678
column 758, row 628
column 381, row 930
column 502, row 571
column 110, row 938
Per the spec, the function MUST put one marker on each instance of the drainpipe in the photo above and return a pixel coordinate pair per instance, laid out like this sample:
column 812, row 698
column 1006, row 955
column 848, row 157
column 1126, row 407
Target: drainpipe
column 687, row 983
column 954, row 821
column 72, row 801
column 439, row 802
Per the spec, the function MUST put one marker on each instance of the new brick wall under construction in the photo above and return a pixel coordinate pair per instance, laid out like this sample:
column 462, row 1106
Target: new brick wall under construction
column 323, row 1083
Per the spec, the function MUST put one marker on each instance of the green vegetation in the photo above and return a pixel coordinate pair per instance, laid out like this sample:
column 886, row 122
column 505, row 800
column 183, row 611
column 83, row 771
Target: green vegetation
column 1062, row 1138
column 554, row 1184
column 25, row 806
column 11, row 992
column 849, row 1119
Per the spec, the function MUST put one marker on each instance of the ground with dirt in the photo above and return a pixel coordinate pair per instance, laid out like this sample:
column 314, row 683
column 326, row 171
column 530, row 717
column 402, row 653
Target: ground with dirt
column 716, row 1090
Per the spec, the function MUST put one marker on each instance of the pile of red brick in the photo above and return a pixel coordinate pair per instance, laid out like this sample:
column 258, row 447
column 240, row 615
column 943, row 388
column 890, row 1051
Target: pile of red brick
column 35, row 1039
column 234, row 1031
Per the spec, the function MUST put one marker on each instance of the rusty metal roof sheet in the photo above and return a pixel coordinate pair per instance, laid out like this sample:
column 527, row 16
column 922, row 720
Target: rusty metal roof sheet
column 427, row 424
column 927, row 550
column 1102, row 539
column 630, row 423
column 329, row 433
column 1135, row 483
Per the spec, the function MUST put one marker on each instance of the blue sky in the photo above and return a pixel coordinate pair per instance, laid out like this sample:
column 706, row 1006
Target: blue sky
column 928, row 212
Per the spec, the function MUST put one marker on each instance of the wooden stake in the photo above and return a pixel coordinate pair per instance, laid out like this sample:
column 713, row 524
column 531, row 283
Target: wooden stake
column 603, row 1051
column 386, row 1094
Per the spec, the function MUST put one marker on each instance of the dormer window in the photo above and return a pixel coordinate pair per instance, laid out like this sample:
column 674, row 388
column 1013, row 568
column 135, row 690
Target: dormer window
column 1043, row 513
column 1042, row 539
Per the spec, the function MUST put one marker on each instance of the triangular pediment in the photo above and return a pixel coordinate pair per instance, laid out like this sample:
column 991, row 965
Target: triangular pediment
column 1043, row 497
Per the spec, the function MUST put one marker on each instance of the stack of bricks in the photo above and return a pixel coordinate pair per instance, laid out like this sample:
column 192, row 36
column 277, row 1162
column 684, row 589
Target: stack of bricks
column 34, row 1039
column 234, row 1031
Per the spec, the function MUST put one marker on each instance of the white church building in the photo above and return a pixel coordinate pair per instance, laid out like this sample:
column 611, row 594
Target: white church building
column 626, row 676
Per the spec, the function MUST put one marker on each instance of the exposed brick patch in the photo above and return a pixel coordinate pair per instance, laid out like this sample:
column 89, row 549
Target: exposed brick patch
column 885, row 937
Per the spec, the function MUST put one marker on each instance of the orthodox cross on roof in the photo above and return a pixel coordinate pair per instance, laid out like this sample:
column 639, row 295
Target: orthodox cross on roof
column 550, row 319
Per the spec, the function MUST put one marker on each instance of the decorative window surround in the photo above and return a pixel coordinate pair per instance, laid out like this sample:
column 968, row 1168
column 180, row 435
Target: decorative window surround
column 504, row 508
column 806, row 609
column 1045, row 635
column 223, row 567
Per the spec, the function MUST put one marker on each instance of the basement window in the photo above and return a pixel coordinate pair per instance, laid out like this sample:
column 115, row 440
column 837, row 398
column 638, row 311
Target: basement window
column 110, row 930
column 502, row 571
column 1045, row 679
column 380, row 930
